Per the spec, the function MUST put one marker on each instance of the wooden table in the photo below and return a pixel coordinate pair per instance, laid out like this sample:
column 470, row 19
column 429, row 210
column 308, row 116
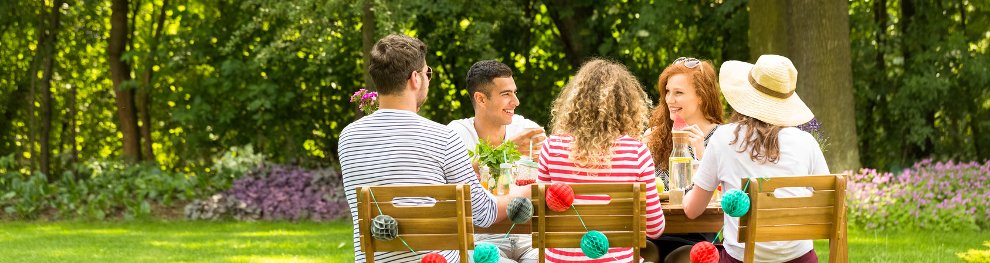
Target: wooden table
column 677, row 222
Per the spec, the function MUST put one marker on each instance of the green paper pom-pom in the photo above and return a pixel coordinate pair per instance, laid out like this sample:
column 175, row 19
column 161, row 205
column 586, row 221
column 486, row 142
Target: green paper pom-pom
column 594, row 244
column 735, row 203
column 520, row 210
column 384, row 228
column 485, row 253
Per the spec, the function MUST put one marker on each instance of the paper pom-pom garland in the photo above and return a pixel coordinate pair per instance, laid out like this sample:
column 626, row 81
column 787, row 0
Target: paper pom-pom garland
column 520, row 210
column 735, row 203
column 485, row 253
column 433, row 258
column 704, row 252
column 384, row 228
column 559, row 197
column 594, row 244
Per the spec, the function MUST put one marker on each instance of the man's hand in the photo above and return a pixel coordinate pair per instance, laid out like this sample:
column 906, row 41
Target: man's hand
column 528, row 137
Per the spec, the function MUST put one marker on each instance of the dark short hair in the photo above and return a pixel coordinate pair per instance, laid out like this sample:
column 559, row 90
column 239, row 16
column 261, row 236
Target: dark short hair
column 482, row 74
column 392, row 59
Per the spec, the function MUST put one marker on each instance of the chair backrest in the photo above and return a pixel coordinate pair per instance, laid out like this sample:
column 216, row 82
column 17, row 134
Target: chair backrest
column 820, row 216
column 622, row 220
column 445, row 225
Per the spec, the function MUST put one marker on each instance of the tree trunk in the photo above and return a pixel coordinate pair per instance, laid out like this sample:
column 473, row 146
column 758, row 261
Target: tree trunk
column 143, row 98
column 368, row 28
column 120, row 74
column 567, row 17
column 48, row 49
column 817, row 41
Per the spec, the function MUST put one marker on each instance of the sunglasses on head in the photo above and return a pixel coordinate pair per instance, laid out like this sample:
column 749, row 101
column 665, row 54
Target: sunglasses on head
column 688, row 62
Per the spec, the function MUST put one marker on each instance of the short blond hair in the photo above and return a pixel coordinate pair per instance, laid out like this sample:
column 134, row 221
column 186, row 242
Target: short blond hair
column 603, row 102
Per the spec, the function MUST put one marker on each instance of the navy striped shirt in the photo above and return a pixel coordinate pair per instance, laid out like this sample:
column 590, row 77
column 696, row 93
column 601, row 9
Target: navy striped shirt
column 396, row 147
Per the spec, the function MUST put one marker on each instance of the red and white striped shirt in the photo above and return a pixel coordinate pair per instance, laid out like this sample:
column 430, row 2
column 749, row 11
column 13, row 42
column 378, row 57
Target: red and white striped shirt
column 631, row 162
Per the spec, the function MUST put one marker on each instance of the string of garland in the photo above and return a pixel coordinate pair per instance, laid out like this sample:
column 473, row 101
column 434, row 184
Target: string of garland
column 735, row 203
column 386, row 228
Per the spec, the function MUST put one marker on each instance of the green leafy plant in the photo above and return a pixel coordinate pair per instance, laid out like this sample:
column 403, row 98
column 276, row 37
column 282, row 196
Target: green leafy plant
column 493, row 157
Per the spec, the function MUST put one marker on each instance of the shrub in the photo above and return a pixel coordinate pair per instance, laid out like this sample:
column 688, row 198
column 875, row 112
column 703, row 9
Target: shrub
column 929, row 195
column 276, row 192
column 99, row 189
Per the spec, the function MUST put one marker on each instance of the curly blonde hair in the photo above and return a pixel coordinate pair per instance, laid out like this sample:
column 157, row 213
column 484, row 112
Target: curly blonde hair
column 603, row 102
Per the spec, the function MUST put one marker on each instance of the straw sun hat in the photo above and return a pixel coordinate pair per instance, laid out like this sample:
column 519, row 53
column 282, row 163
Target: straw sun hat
column 764, row 90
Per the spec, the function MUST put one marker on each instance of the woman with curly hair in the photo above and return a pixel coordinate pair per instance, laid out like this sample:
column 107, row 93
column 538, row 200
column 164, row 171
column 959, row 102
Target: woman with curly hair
column 594, row 122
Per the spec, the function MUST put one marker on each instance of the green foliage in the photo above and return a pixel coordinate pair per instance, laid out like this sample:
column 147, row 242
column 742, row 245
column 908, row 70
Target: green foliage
column 493, row 157
column 114, row 189
column 920, row 73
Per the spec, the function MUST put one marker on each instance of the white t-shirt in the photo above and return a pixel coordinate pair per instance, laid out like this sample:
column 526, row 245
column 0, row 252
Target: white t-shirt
column 724, row 164
column 465, row 128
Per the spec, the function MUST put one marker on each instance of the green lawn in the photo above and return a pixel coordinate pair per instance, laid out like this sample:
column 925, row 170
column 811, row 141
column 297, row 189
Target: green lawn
column 175, row 241
column 907, row 246
column 181, row 241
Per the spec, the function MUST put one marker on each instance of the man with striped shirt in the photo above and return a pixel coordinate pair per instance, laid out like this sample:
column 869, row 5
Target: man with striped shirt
column 395, row 146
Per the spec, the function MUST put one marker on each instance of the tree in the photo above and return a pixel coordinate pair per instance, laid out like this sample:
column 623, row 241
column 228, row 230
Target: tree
column 120, row 74
column 817, row 41
column 47, row 40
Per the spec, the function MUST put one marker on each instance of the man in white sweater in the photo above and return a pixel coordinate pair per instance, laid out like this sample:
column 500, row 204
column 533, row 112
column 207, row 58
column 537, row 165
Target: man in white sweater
column 493, row 94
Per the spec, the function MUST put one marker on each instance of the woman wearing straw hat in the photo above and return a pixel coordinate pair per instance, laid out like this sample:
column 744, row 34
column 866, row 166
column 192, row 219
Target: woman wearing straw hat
column 594, row 120
column 760, row 141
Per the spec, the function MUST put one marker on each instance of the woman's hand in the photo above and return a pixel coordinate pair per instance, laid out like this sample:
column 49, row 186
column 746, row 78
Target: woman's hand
column 697, row 140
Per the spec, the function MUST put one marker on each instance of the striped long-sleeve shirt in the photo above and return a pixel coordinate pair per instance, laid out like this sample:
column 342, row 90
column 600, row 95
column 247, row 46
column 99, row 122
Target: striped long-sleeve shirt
column 631, row 162
column 394, row 147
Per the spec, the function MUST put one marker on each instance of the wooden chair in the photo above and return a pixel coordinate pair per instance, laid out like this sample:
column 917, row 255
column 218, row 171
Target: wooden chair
column 622, row 220
column 446, row 225
column 820, row 216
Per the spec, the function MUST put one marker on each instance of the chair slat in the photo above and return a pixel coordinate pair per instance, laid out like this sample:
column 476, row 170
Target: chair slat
column 600, row 223
column 440, row 208
column 620, row 190
column 818, row 182
column 789, row 232
column 817, row 199
column 794, row 216
column 439, row 192
column 614, row 207
column 426, row 225
column 573, row 239
column 419, row 242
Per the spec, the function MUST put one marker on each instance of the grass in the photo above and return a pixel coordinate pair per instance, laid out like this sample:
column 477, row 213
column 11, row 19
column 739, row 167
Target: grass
column 175, row 241
column 906, row 246
column 182, row 241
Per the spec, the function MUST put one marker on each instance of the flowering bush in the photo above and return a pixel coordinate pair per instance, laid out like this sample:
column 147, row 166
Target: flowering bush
column 276, row 192
column 815, row 129
column 367, row 100
column 929, row 195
